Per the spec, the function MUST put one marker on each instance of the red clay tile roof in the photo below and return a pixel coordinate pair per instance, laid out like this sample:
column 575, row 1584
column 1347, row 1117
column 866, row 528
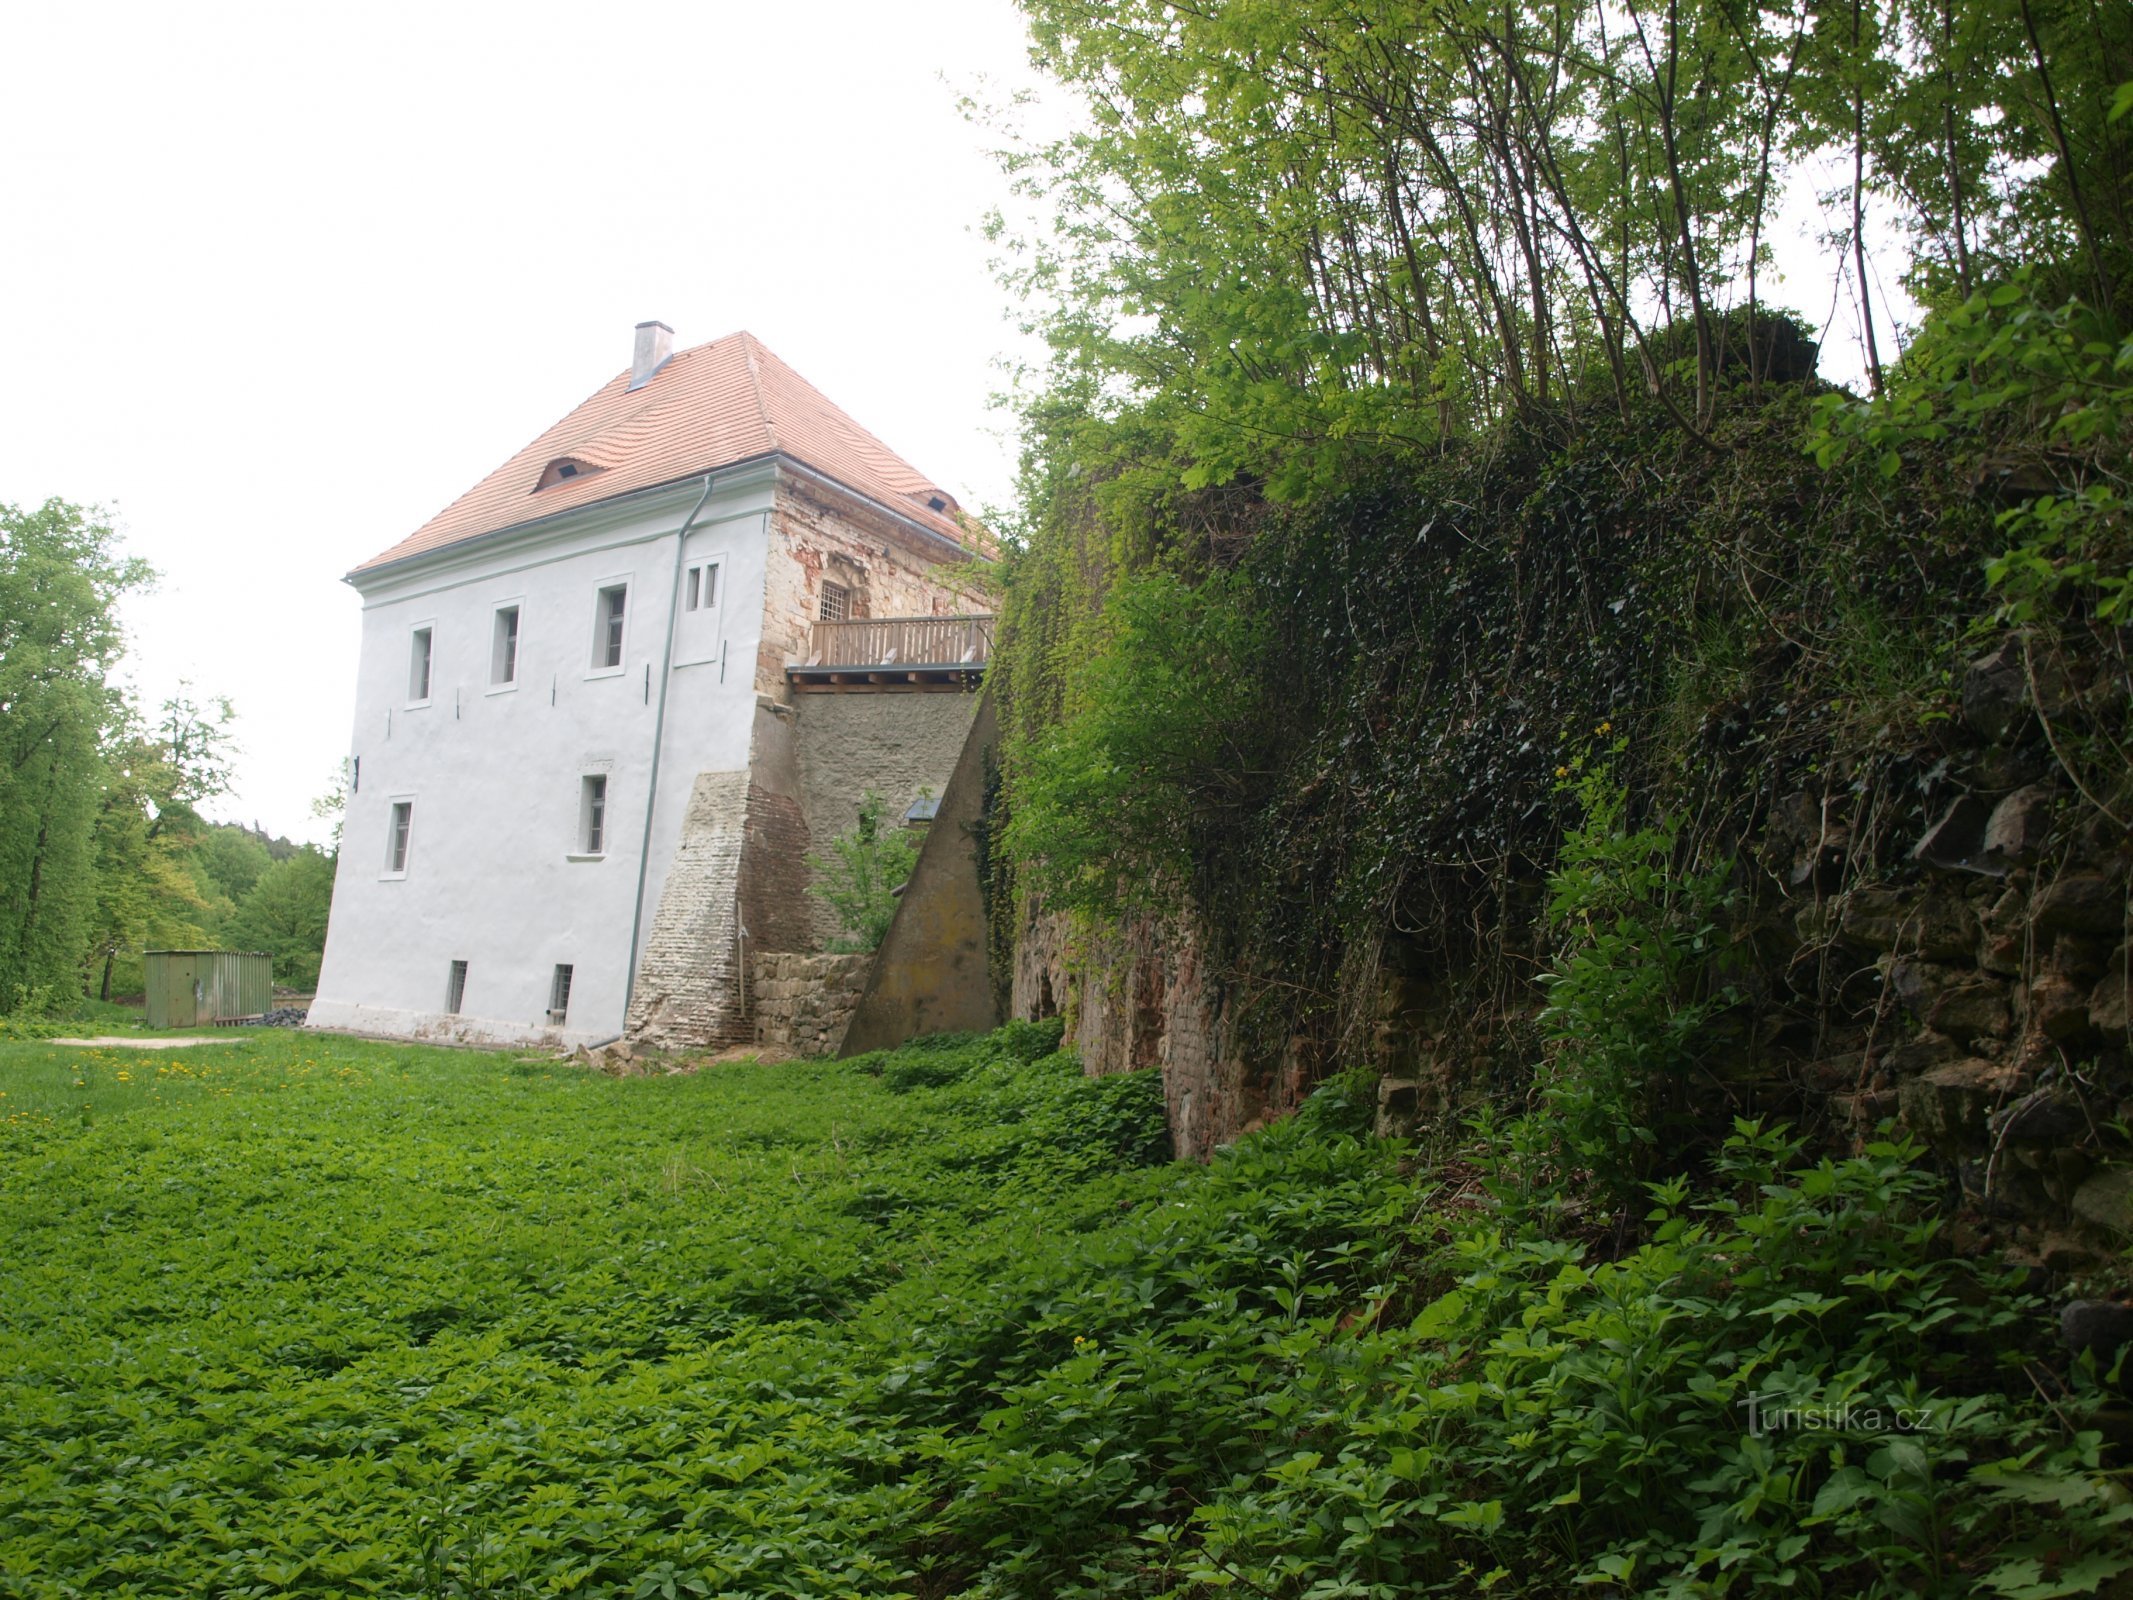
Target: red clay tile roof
column 714, row 406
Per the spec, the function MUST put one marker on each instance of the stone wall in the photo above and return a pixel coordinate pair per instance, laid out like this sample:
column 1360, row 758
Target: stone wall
column 897, row 745
column 1975, row 992
column 803, row 1003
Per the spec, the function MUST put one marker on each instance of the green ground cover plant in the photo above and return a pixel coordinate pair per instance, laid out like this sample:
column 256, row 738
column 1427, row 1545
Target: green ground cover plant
column 295, row 1315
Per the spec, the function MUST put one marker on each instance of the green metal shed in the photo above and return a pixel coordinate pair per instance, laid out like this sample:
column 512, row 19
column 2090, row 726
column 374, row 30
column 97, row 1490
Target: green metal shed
column 189, row 987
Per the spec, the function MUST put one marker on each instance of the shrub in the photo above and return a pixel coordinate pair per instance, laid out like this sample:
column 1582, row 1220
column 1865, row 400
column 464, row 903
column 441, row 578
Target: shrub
column 861, row 875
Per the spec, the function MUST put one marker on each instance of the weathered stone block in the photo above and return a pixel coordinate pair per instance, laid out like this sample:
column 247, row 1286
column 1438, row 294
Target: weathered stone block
column 2080, row 902
column 2105, row 1201
column 1996, row 692
column 1948, row 1105
column 1914, row 1056
column 1956, row 842
column 1918, row 983
column 2018, row 827
column 1971, row 1011
column 2042, row 1119
column 2057, row 1007
column 1892, row 919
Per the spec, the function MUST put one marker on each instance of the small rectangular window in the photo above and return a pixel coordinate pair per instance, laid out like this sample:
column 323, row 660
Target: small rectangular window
column 418, row 666
column 559, row 995
column 396, row 840
column 607, row 636
column 836, row 602
column 592, row 815
column 455, row 989
column 503, row 655
column 702, row 588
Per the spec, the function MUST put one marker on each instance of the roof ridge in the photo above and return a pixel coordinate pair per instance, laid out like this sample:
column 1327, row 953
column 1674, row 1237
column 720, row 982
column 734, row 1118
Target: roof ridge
column 750, row 344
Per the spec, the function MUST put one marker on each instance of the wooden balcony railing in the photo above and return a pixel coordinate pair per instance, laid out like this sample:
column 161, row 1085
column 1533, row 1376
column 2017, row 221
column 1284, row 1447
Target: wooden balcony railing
column 902, row 642
column 895, row 653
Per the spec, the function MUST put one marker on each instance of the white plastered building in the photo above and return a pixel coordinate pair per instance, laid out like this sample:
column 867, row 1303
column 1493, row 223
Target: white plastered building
column 578, row 801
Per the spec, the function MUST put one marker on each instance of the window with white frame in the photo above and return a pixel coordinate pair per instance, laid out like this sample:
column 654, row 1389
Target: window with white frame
column 700, row 591
column 503, row 648
column 397, row 834
column 592, row 814
column 455, row 989
column 418, row 666
column 559, row 995
column 608, row 617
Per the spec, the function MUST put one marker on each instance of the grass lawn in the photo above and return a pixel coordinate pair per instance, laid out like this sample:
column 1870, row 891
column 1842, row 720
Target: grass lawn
column 295, row 1314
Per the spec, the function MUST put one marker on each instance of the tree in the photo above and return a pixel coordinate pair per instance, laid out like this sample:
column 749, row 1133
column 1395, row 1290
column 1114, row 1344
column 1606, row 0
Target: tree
column 862, row 873
column 61, row 577
column 285, row 915
column 151, row 885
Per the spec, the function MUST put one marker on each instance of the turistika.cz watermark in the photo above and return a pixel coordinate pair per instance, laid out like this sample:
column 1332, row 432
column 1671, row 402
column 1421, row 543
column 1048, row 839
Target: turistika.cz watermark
column 1775, row 1413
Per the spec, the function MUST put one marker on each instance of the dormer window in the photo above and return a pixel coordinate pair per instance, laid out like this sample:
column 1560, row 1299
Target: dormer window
column 562, row 469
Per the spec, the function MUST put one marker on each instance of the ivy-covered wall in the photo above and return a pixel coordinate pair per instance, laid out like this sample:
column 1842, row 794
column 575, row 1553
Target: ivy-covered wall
column 1287, row 790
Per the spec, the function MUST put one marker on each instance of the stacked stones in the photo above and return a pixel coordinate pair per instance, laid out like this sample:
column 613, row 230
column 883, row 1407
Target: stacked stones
column 2002, row 1037
column 804, row 1003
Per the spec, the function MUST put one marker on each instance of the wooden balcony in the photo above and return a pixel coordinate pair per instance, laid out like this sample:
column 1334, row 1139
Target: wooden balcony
column 895, row 653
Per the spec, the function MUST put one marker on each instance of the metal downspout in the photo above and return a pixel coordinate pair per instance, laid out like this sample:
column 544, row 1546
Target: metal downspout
column 659, row 728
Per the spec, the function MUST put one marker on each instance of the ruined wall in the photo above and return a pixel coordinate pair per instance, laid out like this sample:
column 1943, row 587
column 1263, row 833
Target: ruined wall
column 804, row 1003
column 816, row 535
column 1137, row 997
column 1976, row 993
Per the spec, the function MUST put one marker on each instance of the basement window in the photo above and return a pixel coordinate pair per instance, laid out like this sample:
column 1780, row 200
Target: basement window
column 455, row 989
column 396, row 836
column 836, row 603
column 592, row 815
column 418, row 667
column 559, row 995
column 503, row 648
column 608, row 618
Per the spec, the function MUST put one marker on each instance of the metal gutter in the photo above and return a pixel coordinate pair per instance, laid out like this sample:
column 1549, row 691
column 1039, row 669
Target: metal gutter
column 475, row 542
column 659, row 728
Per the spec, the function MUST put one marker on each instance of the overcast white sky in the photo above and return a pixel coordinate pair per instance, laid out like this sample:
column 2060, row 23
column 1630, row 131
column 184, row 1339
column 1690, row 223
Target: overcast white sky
column 281, row 281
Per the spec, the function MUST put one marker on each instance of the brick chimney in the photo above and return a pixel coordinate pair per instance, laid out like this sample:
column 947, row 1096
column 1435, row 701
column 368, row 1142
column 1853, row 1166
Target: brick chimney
column 655, row 342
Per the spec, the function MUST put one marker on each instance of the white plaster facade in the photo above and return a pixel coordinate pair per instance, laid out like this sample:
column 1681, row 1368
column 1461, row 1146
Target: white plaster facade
column 680, row 723
column 496, row 873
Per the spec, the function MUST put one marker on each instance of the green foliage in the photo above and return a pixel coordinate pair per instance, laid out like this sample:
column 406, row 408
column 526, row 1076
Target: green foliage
column 284, row 914
column 1161, row 742
column 2034, row 397
column 61, row 578
column 1295, row 238
column 862, row 873
column 1629, row 993
column 937, row 1326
